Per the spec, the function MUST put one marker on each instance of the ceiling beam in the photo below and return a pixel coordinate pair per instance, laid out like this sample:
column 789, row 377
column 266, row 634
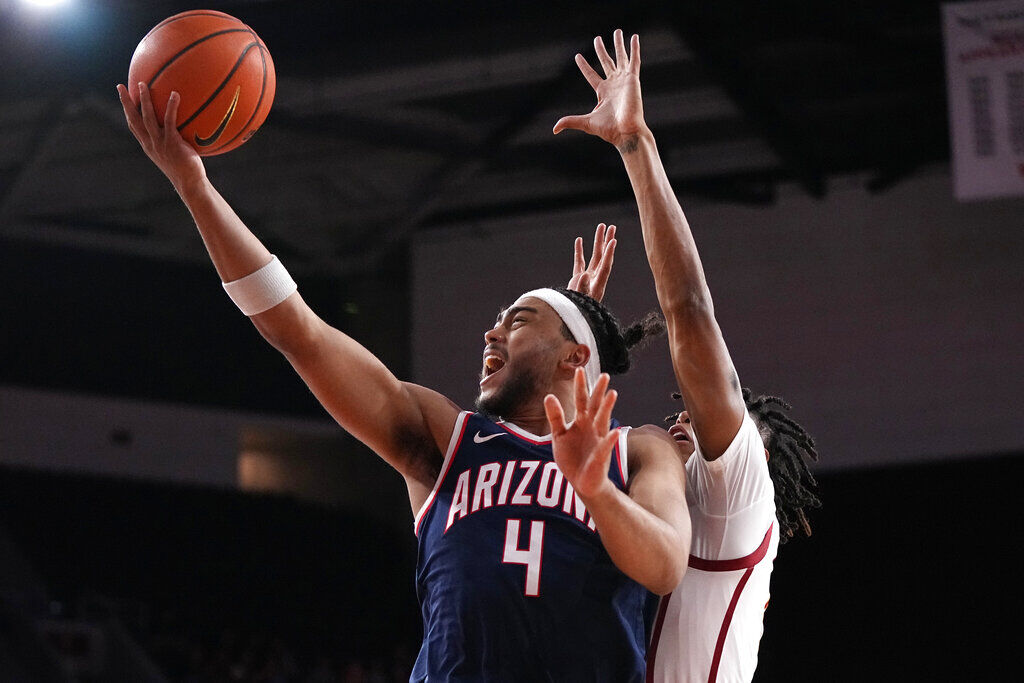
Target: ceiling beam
column 456, row 169
column 750, row 188
column 412, row 132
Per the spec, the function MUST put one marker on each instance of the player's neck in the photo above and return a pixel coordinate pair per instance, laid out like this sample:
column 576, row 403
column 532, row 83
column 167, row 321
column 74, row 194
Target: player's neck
column 531, row 416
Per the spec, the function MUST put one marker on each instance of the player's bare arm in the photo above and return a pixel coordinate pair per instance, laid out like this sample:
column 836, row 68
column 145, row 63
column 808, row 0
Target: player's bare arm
column 647, row 531
column 408, row 426
column 700, row 358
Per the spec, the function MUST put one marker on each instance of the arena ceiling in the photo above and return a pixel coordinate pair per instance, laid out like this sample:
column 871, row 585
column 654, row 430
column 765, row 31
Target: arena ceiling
column 393, row 117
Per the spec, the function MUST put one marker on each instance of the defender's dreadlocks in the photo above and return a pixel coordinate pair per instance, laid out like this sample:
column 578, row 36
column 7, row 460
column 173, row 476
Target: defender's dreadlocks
column 613, row 343
column 789, row 447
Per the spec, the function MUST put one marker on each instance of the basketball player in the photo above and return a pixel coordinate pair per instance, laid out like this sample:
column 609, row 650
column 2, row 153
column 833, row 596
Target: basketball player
column 540, row 524
column 709, row 627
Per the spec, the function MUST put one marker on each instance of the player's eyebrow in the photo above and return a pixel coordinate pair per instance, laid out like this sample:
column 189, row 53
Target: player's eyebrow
column 504, row 313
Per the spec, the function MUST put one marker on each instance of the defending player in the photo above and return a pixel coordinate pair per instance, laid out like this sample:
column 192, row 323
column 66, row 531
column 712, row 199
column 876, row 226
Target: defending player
column 514, row 581
column 709, row 627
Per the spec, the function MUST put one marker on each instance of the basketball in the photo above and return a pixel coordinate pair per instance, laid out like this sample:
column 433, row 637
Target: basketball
column 221, row 70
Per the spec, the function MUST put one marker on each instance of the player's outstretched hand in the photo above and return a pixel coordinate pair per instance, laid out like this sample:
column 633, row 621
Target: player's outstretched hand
column 583, row 450
column 619, row 114
column 593, row 278
column 163, row 144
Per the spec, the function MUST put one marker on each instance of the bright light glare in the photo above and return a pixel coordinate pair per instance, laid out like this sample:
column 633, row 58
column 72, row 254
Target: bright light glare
column 44, row 3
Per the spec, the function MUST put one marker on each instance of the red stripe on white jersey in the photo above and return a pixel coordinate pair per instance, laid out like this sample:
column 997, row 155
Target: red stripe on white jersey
column 746, row 563
column 739, row 563
column 652, row 651
column 720, row 645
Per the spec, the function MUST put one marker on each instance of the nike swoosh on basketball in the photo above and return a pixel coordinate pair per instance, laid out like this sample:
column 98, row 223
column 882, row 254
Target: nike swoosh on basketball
column 206, row 142
column 480, row 439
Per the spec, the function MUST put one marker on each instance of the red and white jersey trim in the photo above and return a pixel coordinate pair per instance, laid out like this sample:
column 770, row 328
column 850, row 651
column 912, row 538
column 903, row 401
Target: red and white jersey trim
column 523, row 434
column 620, row 453
column 747, row 565
column 453, row 445
column 709, row 628
column 747, row 562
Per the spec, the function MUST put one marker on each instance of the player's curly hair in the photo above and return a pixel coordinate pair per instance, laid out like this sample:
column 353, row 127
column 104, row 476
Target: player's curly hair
column 613, row 342
column 789, row 449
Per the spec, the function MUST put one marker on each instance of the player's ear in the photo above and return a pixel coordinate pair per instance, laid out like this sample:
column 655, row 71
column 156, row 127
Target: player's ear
column 577, row 358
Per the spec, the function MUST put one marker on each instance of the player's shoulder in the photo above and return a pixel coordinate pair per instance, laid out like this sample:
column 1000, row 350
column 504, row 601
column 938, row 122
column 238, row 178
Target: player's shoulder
column 440, row 415
column 651, row 443
column 742, row 471
column 747, row 443
column 428, row 398
column 647, row 432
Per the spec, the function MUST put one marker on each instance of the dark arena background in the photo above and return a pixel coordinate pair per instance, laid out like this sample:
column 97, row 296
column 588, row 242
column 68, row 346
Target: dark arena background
column 175, row 505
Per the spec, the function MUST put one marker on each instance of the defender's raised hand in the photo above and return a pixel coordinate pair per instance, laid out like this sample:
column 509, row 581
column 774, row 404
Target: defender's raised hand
column 619, row 114
column 592, row 279
column 583, row 450
column 163, row 144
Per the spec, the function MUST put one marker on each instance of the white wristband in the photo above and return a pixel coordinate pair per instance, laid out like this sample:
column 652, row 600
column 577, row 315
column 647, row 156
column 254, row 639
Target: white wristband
column 263, row 289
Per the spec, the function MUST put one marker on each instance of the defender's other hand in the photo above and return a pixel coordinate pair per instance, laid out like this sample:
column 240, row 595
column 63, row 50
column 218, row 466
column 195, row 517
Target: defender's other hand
column 583, row 451
column 592, row 279
column 163, row 144
column 619, row 114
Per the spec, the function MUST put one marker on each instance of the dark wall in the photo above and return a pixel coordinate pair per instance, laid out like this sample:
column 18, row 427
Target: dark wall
column 209, row 561
column 909, row 575
column 118, row 325
column 889, row 320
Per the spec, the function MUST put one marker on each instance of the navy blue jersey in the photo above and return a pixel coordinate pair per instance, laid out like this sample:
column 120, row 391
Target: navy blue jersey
column 513, row 581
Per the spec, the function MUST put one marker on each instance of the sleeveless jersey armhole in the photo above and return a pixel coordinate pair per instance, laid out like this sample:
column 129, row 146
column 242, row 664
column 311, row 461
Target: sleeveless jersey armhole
column 623, row 455
column 453, row 445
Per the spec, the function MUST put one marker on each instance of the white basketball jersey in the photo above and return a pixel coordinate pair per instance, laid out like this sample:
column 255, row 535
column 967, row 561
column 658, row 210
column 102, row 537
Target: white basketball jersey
column 709, row 628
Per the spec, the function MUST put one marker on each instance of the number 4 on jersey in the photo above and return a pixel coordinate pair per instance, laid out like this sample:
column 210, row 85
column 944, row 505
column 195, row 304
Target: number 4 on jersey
column 531, row 557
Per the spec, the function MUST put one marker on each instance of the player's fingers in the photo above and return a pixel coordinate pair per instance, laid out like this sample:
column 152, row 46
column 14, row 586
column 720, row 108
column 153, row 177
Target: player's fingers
column 602, row 55
column 171, row 115
column 595, row 256
column 593, row 78
column 579, row 265
column 131, row 112
column 606, row 444
column 634, row 54
column 577, row 122
column 620, row 49
column 580, row 386
column 555, row 415
column 603, row 416
column 607, row 258
column 148, row 115
column 597, row 393
column 126, row 100
column 600, row 280
column 583, row 283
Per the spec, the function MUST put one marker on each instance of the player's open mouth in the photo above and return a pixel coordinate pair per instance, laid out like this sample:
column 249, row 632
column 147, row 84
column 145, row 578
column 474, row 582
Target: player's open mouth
column 678, row 433
column 493, row 363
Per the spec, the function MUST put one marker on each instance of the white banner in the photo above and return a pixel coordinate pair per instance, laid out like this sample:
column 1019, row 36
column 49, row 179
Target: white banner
column 985, row 83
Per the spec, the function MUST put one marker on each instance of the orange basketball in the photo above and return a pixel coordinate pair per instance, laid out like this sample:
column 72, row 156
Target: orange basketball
column 219, row 67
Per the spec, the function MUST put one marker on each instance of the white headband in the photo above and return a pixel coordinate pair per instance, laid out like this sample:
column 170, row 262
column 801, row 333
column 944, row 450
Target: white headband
column 577, row 323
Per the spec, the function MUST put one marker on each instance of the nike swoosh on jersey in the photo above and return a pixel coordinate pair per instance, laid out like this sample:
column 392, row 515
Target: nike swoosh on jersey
column 206, row 142
column 480, row 439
